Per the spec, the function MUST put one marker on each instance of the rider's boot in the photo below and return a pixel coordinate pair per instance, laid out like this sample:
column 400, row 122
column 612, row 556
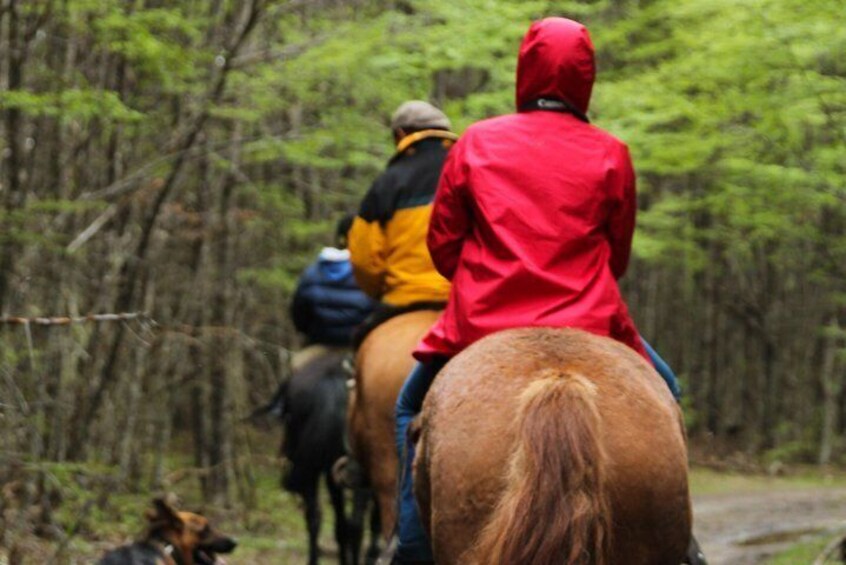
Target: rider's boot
column 694, row 553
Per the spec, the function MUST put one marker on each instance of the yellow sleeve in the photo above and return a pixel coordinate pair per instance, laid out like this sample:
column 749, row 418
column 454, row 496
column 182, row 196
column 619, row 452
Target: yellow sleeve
column 367, row 244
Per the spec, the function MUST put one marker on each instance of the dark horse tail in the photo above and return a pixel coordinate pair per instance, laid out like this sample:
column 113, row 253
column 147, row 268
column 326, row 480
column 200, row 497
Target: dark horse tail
column 554, row 508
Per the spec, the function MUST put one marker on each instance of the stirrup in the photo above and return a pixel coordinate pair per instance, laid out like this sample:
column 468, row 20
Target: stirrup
column 388, row 555
column 347, row 473
column 348, row 365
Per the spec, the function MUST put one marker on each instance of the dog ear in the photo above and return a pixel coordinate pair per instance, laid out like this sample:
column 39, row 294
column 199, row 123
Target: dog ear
column 163, row 515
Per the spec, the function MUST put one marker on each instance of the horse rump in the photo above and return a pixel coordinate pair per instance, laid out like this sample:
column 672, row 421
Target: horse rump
column 551, row 446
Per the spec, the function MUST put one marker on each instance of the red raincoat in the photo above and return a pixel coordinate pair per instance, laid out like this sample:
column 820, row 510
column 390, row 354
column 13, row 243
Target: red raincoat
column 534, row 213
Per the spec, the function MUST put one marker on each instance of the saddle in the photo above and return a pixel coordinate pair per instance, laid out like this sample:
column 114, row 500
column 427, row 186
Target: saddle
column 384, row 312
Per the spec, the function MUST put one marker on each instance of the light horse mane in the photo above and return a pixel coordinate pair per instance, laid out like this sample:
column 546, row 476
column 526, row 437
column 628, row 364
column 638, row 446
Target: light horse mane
column 556, row 477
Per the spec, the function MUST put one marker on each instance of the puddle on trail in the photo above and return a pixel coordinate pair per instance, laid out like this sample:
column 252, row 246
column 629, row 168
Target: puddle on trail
column 749, row 528
column 782, row 536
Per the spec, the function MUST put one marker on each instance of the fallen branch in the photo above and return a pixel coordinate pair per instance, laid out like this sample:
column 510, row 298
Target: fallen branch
column 66, row 320
column 838, row 543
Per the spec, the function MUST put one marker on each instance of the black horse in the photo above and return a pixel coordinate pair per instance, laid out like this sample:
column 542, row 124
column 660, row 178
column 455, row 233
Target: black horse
column 312, row 407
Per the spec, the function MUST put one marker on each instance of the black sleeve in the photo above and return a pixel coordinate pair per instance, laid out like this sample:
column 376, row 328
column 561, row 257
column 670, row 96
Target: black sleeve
column 377, row 202
column 300, row 309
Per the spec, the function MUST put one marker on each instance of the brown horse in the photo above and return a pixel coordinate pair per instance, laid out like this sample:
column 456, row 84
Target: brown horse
column 552, row 446
column 382, row 364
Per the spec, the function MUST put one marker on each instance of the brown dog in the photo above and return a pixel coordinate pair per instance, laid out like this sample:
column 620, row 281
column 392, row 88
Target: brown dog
column 173, row 538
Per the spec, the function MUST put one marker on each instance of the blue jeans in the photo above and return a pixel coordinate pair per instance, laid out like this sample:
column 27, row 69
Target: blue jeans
column 413, row 544
column 664, row 370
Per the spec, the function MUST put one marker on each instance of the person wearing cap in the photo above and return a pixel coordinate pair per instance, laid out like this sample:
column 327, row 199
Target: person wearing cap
column 328, row 304
column 388, row 237
column 532, row 223
column 387, row 240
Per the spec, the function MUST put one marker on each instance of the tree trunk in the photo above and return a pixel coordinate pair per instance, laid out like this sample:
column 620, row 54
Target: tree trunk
column 831, row 380
column 14, row 196
column 221, row 438
column 131, row 268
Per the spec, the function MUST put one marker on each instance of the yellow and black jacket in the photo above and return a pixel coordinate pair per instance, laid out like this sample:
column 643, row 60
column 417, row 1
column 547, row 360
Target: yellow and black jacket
column 387, row 240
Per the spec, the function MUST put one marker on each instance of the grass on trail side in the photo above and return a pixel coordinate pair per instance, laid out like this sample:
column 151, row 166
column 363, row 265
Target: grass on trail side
column 707, row 481
column 95, row 512
column 804, row 552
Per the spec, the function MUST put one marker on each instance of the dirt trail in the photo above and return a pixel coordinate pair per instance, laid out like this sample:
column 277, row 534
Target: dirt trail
column 747, row 528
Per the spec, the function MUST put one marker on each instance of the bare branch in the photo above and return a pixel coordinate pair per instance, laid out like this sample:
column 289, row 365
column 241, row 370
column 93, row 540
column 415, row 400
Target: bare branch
column 838, row 543
column 92, row 229
column 38, row 21
column 276, row 55
column 66, row 320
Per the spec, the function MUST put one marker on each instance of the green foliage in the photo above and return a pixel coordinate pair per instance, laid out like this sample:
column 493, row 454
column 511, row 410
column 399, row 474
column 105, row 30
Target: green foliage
column 791, row 452
column 728, row 106
column 284, row 277
column 156, row 41
column 732, row 113
column 71, row 104
column 103, row 513
column 705, row 481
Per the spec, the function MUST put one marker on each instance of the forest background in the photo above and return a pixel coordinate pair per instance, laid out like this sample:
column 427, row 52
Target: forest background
column 186, row 159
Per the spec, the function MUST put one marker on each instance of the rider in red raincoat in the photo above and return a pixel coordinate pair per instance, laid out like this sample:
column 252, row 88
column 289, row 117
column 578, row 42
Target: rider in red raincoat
column 532, row 222
column 534, row 214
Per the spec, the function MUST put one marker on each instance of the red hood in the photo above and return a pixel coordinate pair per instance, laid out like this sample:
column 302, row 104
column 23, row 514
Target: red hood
column 556, row 61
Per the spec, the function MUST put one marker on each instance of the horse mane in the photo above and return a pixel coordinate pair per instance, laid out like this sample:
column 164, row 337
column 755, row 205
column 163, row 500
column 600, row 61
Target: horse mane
column 554, row 508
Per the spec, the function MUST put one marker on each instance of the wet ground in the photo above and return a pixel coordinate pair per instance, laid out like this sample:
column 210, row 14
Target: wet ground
column 748, row 528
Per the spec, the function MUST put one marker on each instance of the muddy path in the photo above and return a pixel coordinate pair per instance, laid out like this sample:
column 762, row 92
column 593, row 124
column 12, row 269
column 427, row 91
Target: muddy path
column 749, row 527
